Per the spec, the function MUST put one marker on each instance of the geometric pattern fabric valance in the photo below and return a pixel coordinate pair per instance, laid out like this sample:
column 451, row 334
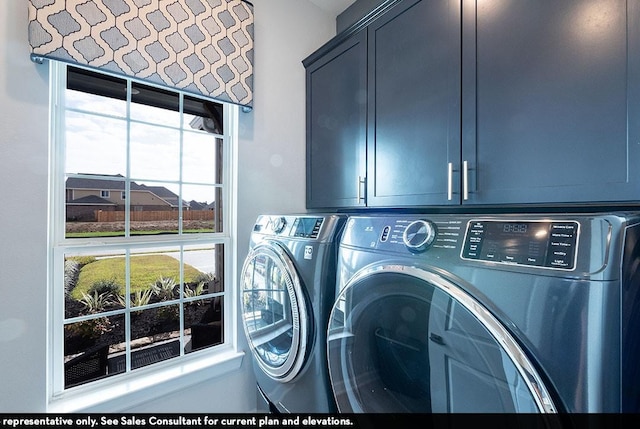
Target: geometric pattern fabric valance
column 199, row 46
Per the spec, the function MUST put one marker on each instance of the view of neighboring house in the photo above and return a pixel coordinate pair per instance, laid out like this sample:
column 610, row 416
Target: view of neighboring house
column 85, row 196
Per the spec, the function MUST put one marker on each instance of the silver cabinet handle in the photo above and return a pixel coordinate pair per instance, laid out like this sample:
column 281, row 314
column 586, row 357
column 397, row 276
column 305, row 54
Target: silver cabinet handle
column 450, row 181
column 465, row 180
column 361, row 183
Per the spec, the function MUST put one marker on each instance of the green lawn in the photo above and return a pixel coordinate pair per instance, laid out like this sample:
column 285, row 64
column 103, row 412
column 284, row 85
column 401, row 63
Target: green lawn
column 145, row 270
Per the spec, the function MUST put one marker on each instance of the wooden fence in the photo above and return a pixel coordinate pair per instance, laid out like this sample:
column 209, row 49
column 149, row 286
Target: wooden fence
column 159, row 215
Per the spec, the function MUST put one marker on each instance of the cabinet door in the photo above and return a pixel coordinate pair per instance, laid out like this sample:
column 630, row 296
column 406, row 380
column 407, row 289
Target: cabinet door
column 550, row 101
column 414, row 105
column 336, row 126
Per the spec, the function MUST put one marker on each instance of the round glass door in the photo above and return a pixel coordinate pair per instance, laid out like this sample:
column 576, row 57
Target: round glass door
column 273, row 311
column 402, row 339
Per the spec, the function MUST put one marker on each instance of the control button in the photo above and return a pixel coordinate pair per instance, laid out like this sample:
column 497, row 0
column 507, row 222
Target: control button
column 562, row 245
column 385, row 233
column 278, row 224
column 419, row 235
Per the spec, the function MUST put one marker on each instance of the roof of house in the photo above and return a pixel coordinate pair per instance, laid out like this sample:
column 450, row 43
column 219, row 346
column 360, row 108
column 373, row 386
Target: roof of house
column 194, row 205
column 160, row 191
column 91, row 200
column 117, row 184
column 97, row 183
column 103, row 182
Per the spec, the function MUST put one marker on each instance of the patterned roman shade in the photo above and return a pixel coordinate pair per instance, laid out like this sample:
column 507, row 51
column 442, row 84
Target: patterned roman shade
column 200, row 46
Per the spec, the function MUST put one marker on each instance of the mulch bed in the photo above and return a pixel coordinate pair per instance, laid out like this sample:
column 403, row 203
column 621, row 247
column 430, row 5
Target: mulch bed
column 155, row 323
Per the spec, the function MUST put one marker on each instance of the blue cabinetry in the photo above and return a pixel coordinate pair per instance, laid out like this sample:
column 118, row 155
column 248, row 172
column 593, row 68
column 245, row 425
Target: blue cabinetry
column 449, row 103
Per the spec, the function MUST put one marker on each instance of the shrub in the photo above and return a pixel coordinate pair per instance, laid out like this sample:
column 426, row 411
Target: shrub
column 96, row 303
column 71, row 272
column 209, row 281
column 93, row 328
column 105, row 286
column 204, row 277
column 138, row 298
column 198, row 290
column 164, row 288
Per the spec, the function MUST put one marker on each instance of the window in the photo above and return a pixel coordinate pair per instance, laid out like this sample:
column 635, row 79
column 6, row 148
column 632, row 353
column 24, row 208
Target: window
column 139, row 281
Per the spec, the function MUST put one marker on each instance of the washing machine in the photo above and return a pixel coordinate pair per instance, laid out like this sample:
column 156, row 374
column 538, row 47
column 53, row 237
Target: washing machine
column 505, row 313
column 287, row 288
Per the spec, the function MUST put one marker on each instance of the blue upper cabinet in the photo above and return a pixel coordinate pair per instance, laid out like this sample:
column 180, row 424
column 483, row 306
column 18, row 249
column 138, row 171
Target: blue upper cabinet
column 337, row 125
column 413, row 104
column 435, row 103
column 550, row 101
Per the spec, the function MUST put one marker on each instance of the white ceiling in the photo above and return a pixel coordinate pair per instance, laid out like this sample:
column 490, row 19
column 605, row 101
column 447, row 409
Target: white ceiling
column 334, row 7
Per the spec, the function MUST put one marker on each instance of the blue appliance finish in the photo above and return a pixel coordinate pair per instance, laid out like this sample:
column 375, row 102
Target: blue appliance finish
column 477, row 313
column 287, row 287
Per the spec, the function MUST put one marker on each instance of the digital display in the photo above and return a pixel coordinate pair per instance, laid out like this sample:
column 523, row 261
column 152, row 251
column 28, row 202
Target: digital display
column 307, row 227
column 542, row 243
column 518, row 228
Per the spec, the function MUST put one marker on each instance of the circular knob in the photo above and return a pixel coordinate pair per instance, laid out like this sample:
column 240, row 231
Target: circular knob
column 278, row 224
column 419, row 235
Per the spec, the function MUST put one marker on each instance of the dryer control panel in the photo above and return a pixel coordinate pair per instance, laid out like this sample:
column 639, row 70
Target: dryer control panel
column 544, row 243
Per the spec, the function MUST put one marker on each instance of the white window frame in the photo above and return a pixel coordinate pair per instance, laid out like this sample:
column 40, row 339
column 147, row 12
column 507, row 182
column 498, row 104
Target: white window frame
column 122, row 391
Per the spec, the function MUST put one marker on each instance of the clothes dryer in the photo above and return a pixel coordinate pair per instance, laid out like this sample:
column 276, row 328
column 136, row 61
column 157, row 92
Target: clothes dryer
column 287, row 288
column 487, row 313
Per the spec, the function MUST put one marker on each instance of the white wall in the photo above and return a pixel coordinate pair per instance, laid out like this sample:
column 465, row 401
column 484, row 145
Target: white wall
column 271, row 179
column 272, row 136
column 23, row 224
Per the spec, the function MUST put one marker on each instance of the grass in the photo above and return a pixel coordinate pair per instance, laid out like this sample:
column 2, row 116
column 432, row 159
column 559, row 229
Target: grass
column 145, row 270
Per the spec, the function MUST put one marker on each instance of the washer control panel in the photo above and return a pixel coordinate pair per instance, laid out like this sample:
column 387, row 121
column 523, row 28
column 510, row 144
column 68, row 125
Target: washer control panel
column 544, row 243
column 558, row 244
column 308, row 227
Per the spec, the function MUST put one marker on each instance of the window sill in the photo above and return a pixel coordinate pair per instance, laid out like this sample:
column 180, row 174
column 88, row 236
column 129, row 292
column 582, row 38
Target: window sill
column 111, row 396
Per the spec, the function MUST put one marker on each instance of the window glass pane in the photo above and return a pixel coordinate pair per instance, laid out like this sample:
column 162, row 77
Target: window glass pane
column 154, row 208
column 209, row 263
column 90, row 349
column 94, row 206
column 86, row 88
column 155, row 152
column 203, row 115
column 95, row 144
column 78, row 100
column 203, row 323
column 154, row 105
column 158, row 269
column 203, row 212
column 201, row 156
column 94, row 283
